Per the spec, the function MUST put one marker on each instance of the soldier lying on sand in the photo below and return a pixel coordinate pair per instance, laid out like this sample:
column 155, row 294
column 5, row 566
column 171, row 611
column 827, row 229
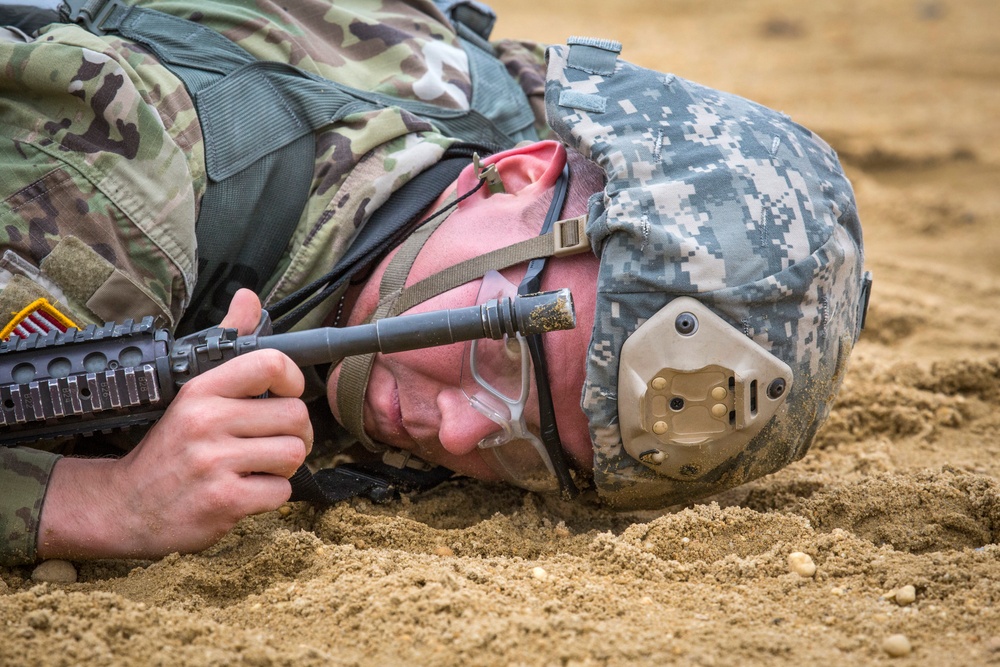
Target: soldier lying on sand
column 158, row 158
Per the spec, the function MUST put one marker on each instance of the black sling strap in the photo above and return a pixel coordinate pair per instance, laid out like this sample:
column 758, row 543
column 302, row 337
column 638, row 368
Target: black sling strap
column 26, row 18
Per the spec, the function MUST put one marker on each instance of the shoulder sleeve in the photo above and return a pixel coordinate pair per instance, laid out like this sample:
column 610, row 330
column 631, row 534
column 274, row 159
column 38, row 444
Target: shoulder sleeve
column 97, row 195
column 24, row 477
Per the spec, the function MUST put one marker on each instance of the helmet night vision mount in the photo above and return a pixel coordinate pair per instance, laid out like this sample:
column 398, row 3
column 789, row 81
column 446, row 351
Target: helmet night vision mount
column 693, row 391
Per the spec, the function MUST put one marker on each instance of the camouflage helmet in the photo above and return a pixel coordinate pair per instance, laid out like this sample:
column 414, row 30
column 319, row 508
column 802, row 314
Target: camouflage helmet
column 721, row 210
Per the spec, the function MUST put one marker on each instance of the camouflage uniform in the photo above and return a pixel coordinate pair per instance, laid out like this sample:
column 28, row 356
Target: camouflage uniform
column 102, row 165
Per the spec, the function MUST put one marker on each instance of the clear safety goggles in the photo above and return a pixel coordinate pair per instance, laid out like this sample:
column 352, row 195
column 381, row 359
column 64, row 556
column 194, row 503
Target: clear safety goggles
column 500, row 382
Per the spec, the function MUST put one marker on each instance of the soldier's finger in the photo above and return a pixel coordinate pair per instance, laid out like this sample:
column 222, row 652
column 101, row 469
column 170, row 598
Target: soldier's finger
column 264, row 417
column 279, row 455
column 249, row 375
column 262, row 493
column 244, row 312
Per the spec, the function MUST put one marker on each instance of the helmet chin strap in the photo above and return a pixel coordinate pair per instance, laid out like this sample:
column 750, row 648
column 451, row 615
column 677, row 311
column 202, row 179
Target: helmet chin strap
column 568, row 237
column 355, row 371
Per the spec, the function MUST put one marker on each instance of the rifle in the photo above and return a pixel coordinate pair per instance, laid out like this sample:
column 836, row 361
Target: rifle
column 106, row 378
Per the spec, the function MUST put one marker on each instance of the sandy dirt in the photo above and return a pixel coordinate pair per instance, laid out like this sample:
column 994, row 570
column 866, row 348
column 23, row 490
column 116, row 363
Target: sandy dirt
column 899, row 490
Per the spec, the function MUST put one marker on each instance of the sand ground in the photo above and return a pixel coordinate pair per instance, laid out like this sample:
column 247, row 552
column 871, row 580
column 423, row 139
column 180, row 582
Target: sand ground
column 899, row 489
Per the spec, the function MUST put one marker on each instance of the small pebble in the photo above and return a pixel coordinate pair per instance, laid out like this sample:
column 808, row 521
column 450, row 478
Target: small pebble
column 561, row 530
column 906, row 595
column 801, row 564
column 39, row 619
column 55, row 572
column 444, row 551
column 284, row 510
column 539, row 573
column 896, row 645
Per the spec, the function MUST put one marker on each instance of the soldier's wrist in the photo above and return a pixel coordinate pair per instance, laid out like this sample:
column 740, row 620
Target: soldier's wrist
column 83, row 514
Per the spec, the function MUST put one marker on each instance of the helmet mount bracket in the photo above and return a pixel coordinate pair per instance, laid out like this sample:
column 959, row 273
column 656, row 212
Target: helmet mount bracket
column 693, row 391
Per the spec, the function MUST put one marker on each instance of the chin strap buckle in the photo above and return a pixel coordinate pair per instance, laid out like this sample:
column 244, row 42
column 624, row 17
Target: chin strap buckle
column 570, row 236
column 400, row 459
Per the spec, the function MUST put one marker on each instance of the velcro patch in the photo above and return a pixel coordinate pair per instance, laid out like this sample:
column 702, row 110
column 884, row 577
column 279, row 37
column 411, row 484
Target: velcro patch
column 594, row 56
column 39, row 317
column 575, row 100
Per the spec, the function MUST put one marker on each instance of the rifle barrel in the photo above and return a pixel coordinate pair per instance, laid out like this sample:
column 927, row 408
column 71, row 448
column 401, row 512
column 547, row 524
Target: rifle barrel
column 507, row 316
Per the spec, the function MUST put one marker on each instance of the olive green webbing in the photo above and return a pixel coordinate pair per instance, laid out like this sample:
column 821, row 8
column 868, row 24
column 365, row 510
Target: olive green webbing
column 472, row 269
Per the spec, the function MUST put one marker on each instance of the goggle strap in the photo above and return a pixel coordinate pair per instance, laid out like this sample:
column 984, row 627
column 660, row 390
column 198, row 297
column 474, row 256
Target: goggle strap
column 355, row 371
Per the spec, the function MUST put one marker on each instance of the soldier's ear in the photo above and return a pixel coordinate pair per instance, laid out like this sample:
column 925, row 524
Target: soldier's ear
column 525, row 171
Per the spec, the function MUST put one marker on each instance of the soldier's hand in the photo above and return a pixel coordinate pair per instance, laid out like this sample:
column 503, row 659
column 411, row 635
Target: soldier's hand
column 217, row 455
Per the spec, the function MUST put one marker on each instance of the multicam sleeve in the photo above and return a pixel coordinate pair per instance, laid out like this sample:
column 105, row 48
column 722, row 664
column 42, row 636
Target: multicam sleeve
column 24, row 477
column 97, row 196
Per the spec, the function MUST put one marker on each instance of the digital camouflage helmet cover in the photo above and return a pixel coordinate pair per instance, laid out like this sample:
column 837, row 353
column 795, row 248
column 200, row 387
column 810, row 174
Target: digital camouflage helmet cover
column 731, row 287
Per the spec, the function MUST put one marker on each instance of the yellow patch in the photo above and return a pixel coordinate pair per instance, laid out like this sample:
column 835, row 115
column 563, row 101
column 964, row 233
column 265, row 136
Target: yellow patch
column 39, row 317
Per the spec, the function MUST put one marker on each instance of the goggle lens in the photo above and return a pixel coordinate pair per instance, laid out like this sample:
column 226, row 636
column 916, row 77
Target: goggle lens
column 497, row 379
